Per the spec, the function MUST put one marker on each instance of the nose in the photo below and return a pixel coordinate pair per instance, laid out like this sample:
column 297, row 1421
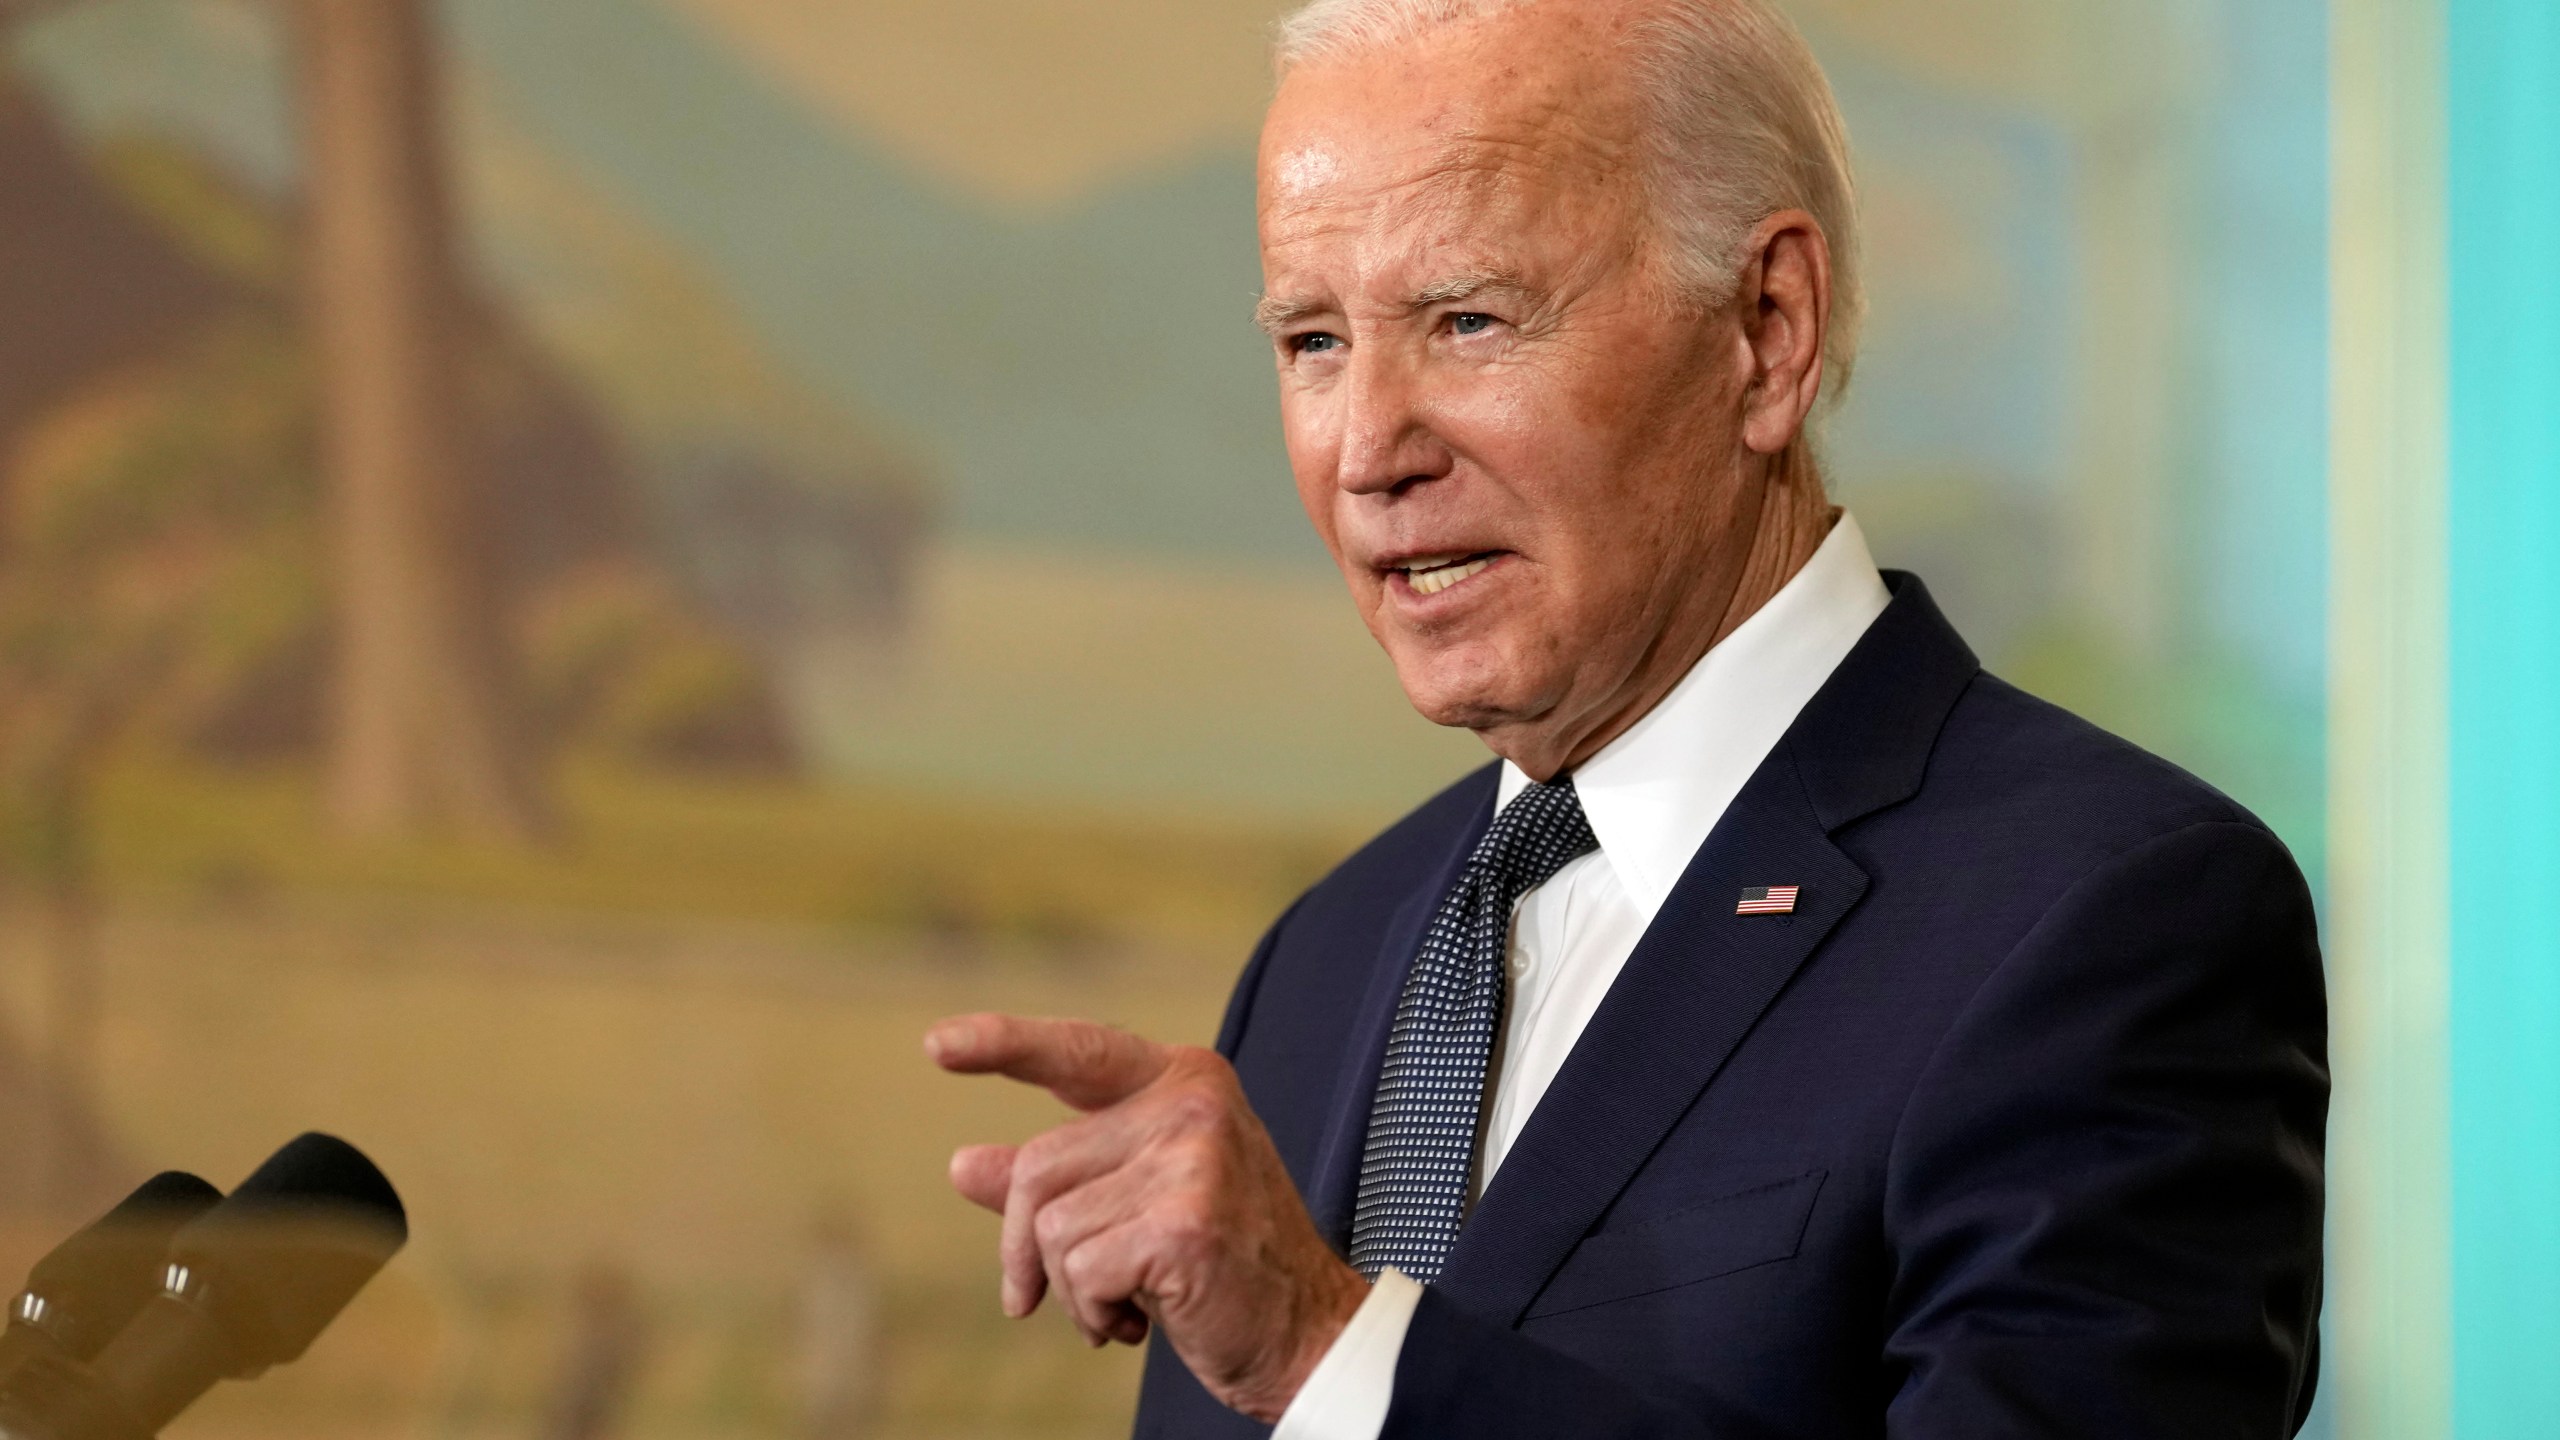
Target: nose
column 1387, row 440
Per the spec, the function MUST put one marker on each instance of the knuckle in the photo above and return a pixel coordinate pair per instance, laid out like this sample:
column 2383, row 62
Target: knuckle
column 1088, row 1046
column 1200, row 1063
column 1196, row 1107
column 1186, row 1249
column 1192, row 1166
column 1032, row 1164
column 1052, row 1225
column 1035, row 1165
column 1185, row 1217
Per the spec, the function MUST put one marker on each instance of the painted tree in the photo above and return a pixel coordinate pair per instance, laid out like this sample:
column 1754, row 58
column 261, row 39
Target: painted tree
column 425, row 728
column 159, row 526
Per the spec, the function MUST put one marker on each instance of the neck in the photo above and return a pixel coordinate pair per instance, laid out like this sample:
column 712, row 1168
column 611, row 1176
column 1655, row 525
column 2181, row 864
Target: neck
column 1795, row 517
column 1794, row 521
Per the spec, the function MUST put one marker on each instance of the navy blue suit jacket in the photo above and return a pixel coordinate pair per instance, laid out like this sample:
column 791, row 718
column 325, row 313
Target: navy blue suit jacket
column 2012, row 1129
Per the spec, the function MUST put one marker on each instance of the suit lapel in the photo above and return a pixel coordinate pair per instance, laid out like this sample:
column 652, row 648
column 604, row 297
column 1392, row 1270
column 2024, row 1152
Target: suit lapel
column 1336, row 1174
column 1692, row 989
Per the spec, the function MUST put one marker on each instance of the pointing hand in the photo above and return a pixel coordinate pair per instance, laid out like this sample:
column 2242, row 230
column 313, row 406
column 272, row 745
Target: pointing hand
column 1165, row 1201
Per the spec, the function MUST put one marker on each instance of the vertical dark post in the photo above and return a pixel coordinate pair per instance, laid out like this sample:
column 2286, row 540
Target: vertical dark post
column 425, row 728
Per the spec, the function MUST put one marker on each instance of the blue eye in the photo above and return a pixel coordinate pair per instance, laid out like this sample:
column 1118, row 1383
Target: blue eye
column 1316, row 343
column 1470, row 323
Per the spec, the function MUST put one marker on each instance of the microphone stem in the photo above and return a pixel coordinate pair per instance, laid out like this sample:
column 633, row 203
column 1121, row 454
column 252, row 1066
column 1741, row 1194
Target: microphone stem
column 171, row 1354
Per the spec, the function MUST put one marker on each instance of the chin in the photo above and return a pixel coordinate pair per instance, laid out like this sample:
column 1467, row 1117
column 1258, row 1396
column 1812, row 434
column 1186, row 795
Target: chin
column 1463, row 714
column 1468, row 690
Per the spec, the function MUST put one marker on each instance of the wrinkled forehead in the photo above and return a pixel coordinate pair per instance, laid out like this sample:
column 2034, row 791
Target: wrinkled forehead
column 1468, row 124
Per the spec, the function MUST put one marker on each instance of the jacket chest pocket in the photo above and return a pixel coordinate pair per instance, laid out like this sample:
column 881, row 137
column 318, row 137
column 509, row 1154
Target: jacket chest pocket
column 1753, row 1226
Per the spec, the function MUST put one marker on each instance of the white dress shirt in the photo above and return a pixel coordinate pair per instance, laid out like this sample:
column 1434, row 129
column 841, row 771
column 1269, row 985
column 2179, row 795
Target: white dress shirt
column 1651, row 797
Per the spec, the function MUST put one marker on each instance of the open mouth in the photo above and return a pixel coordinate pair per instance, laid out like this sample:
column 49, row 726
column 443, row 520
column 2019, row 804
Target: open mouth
column 1429, row 575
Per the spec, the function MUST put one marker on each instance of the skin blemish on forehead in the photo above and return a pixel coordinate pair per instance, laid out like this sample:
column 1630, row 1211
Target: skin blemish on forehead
column 1308, row 167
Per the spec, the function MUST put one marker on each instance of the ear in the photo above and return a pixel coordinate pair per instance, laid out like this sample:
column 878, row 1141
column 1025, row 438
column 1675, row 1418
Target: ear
column 1785, row 300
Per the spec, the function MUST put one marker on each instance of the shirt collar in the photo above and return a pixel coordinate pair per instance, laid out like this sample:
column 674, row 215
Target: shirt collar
column 1653, row 793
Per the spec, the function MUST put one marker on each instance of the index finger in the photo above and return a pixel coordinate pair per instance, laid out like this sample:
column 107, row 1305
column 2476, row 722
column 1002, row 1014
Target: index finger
column 1088, row 1066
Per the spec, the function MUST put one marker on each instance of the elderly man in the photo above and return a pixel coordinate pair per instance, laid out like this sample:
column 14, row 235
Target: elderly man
column 1798, row 1032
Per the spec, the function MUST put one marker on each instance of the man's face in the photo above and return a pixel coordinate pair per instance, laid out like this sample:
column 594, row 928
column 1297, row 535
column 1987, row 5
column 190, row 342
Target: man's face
column 1523, row 453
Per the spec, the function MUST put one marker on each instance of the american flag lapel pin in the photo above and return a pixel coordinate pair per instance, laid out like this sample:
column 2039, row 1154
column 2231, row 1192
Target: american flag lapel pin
column 1768, row 900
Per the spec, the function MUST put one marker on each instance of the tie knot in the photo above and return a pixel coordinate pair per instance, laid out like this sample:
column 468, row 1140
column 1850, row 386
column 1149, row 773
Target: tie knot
column 1537, row 834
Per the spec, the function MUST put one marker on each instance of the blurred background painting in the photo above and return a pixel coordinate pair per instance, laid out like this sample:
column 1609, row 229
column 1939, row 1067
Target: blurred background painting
column 573, row 571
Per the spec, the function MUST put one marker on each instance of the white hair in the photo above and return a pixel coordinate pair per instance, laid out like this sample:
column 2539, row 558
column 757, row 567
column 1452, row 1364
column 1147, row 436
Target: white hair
column 1740, row 124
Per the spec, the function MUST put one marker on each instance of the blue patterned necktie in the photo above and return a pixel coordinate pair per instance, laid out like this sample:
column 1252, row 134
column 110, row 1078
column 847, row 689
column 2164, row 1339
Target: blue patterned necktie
column 1420, row 1156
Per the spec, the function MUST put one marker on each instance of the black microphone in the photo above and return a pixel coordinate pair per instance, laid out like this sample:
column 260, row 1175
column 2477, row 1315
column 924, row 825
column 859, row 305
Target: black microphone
column 254, row 1280
column 94, row 1283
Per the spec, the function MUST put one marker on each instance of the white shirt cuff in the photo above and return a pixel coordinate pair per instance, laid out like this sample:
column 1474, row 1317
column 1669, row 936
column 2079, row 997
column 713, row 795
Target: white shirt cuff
column 1347, row 1395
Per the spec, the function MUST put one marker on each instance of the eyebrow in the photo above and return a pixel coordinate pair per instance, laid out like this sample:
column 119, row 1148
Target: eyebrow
column 1274, row 315
column 1459, row 287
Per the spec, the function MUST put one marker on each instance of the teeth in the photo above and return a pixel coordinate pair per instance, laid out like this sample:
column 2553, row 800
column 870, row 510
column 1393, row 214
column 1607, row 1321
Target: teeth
column 1432, row 577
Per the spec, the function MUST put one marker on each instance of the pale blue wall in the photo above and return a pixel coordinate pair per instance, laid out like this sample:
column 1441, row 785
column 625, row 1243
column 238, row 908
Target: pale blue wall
column 2505, row 652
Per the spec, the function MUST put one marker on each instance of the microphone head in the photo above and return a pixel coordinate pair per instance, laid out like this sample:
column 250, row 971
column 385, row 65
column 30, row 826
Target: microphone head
column 276, row 1262
column 92, row 1284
